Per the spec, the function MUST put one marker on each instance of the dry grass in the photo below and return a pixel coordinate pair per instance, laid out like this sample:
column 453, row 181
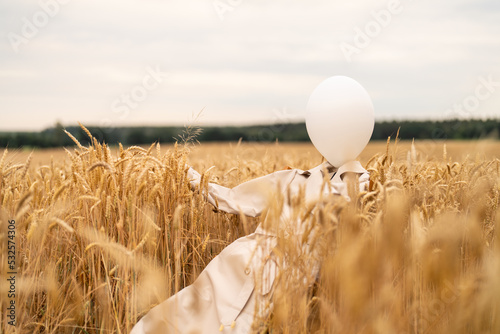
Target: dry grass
column 103, row 235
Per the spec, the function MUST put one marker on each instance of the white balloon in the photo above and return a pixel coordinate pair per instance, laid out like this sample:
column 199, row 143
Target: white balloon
column 340, row 119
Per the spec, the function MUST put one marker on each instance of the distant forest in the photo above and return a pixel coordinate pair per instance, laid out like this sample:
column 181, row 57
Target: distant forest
column 296, row 132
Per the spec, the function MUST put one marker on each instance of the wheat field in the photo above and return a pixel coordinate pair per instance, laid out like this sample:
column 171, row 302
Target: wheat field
column 103, row 234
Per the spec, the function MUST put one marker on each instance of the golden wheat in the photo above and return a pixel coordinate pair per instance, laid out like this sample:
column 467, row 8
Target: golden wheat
column 102, row 237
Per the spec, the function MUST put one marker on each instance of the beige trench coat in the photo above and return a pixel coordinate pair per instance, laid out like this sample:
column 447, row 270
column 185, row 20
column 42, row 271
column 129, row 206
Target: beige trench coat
column 223, row 297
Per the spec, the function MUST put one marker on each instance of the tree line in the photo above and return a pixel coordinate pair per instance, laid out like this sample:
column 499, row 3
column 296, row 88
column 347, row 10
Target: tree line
column 56, row 137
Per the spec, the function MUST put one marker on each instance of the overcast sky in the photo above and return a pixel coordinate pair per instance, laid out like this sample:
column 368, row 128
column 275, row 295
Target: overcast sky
column 160, row 62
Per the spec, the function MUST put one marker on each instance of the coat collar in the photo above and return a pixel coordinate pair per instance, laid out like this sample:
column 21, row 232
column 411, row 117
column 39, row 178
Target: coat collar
column 335, row 173
column 351, row 166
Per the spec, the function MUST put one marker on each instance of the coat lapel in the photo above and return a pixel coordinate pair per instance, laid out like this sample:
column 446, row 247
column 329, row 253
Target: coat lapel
column 351, row 166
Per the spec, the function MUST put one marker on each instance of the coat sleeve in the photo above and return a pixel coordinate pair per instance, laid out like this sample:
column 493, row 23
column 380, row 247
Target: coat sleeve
column 249, row 198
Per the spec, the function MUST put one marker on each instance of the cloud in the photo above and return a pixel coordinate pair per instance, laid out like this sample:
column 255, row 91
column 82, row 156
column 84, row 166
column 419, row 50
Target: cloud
column 262, row 56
